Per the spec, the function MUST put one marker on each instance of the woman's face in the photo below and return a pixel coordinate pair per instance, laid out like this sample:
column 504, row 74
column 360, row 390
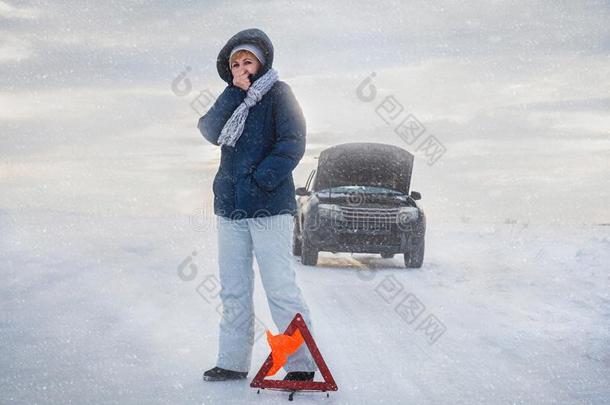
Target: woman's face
column 245, row 63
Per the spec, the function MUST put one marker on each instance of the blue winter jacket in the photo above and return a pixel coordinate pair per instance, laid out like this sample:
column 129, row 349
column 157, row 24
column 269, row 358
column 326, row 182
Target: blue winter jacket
column 255, row 177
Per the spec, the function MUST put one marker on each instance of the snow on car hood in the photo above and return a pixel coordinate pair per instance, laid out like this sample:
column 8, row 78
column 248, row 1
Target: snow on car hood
column 364, row 164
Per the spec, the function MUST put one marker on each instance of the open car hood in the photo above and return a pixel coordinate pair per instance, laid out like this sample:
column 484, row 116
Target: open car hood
column 364, row 164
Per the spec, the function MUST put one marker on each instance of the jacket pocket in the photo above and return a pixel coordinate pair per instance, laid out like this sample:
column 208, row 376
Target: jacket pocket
column 257, row 187
column 254, row 184
column 223, row 190
column 251, row 197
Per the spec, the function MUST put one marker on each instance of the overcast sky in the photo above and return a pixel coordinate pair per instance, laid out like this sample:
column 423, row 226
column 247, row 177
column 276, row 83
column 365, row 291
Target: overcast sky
column 517, row 92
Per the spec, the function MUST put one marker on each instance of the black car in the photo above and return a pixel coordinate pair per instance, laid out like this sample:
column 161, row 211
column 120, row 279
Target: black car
column 358, row 200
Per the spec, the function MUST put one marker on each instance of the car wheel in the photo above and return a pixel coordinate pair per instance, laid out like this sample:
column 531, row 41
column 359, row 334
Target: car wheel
column 414, row 257
column 387, row 255
column 296, row 243
column 309, row 252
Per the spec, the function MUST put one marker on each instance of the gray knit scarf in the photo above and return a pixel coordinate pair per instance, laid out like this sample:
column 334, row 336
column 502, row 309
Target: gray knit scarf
column 235, row 125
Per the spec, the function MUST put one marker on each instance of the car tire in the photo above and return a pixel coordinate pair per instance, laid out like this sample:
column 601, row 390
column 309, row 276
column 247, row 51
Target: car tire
column 414, row 257
column 296, row 243
column 309, row 252
column 387, row 255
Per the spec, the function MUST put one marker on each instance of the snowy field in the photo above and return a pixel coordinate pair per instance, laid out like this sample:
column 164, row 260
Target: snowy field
column 105, row 193
column 94, row 310
column 99, row 315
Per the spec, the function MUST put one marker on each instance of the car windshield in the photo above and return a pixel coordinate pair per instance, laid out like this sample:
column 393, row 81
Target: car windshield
column 361, row 189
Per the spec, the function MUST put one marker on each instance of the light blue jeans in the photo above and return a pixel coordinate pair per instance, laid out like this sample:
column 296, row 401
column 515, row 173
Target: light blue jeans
column 270, row 238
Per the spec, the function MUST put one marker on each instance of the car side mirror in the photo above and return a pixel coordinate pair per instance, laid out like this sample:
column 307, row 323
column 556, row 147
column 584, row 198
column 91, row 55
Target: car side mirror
column 415, row 195
column 301, row 191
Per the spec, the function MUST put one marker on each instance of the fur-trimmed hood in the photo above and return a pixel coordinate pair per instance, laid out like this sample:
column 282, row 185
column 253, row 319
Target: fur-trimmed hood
column 252, row 36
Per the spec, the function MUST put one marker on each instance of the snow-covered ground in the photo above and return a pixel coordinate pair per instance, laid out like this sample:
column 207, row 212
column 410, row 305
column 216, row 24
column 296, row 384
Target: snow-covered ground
column 94, row 310
column 105, row 193
column 526, row 318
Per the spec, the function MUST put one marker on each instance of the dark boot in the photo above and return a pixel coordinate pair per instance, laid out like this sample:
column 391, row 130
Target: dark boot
column 221, row 374
column 299, row 376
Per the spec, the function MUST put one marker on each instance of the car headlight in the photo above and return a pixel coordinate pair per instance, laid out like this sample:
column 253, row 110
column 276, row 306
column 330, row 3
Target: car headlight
column 407, row 215
column 331, row 211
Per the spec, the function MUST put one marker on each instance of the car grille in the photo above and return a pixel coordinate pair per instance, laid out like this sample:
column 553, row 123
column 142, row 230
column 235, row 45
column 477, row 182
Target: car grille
column 369, row 218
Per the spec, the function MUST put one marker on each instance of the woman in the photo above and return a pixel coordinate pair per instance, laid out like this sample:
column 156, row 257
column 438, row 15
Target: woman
column 260, row 127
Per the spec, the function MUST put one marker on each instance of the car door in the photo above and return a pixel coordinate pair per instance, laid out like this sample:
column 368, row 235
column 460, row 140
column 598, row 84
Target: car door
column 303, row 200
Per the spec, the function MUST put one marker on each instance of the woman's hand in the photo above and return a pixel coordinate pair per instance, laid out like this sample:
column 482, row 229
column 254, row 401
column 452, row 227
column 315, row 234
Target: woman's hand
column 242, row 81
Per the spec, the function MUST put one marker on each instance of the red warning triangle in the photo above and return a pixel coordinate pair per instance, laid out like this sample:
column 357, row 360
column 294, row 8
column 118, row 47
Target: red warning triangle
column 328, row 384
